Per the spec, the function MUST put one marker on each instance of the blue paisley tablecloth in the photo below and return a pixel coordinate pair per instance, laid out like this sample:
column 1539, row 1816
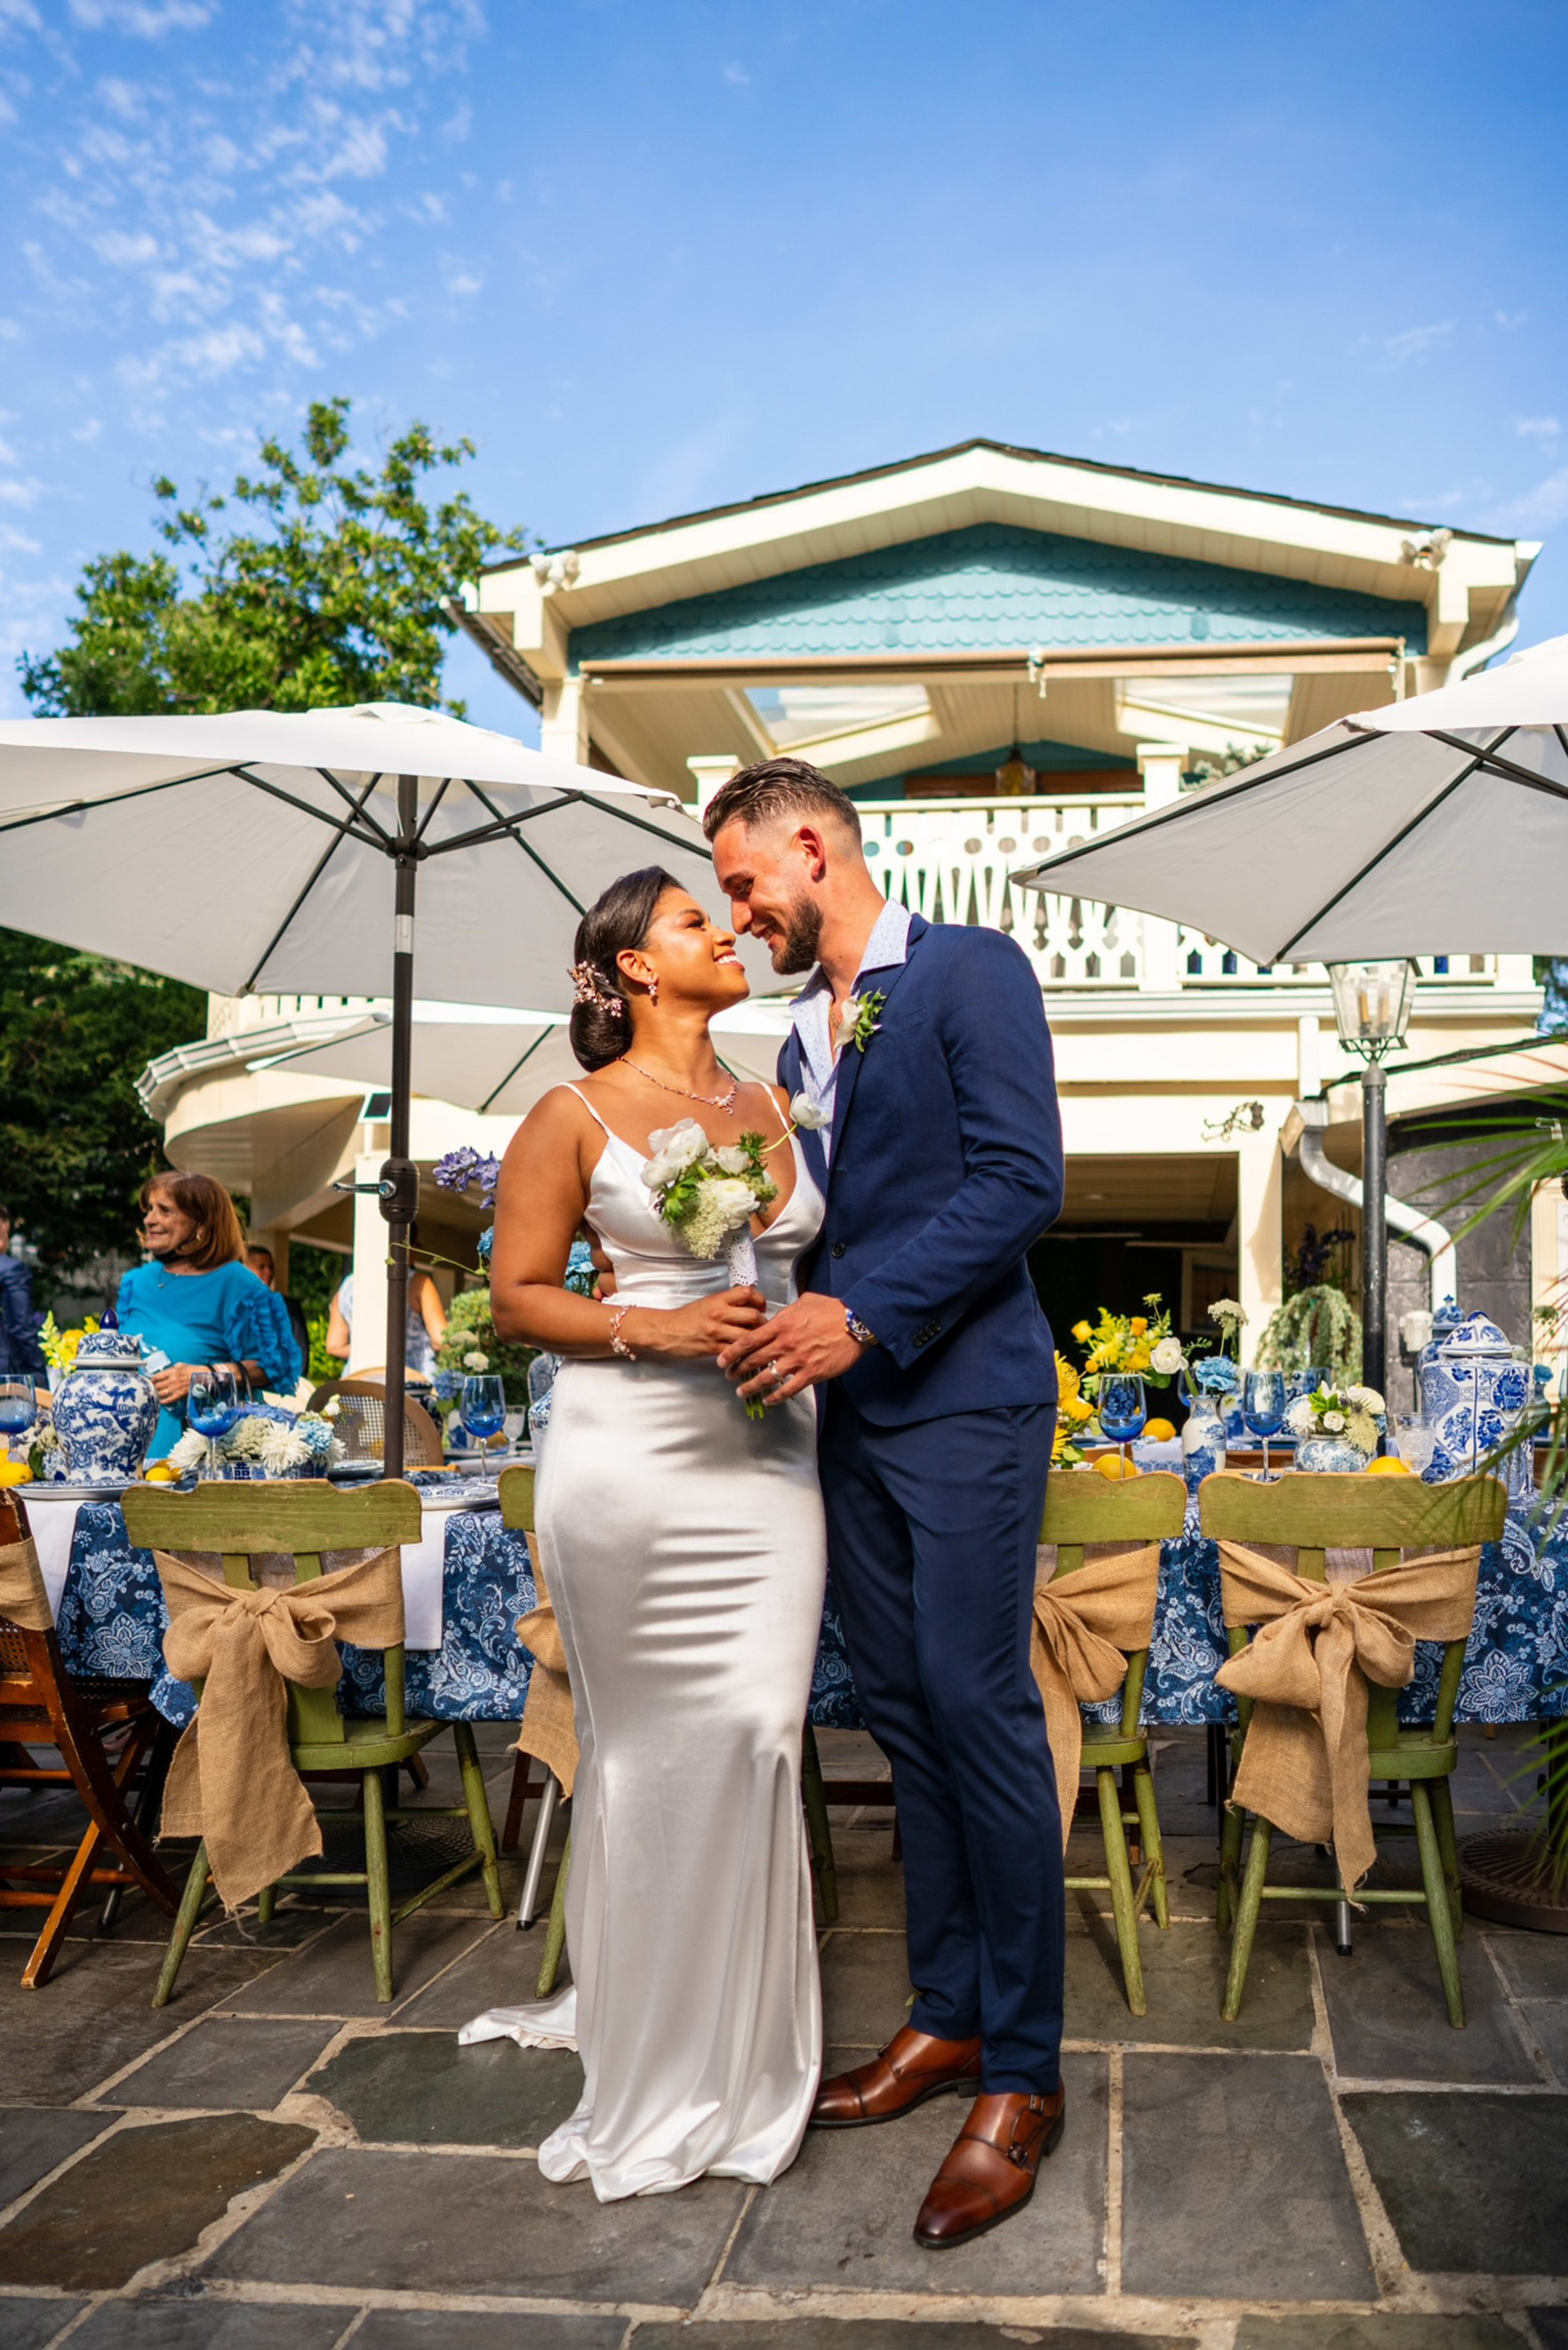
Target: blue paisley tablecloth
column 112, row 1621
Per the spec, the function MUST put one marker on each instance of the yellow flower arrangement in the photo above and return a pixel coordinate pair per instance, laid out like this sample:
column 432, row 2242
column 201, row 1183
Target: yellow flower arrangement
column 1144, row 1343
column 60, row 1345
column 1073, row 1410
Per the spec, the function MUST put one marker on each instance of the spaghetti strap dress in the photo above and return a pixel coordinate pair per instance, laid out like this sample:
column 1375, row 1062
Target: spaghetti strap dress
column 685, row 1551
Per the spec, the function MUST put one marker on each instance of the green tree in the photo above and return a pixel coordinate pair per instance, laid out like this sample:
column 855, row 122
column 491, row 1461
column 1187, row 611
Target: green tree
column 309, row 584
column 75, row 1142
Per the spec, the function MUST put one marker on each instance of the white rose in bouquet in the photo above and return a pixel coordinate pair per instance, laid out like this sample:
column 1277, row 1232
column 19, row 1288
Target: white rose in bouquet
column 475, row 1361
column 675, row 1148
column 731, row 1158
column 1333, row 1421
column 1167, row 1357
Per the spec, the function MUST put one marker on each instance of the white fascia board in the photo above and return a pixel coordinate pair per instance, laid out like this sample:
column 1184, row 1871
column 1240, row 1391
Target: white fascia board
column 1191, row 521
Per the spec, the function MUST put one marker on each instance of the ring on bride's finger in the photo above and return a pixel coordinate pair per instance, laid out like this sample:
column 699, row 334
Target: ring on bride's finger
column 774, row 1371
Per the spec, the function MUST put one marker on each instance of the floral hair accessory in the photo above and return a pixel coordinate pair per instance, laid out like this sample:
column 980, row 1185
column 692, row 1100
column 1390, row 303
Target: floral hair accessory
column 594, row 988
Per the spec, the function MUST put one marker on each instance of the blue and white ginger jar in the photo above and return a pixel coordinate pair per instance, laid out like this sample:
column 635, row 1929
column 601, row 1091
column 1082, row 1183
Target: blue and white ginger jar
column 105, row 1411
column 1473, row 1390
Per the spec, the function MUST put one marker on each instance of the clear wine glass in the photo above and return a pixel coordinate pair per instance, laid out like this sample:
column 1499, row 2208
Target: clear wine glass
column 483, row 1406
column 212, row 1409
column 18, row 1407
column 1263, row 1408
column 1121, row 1410
column 1415, row 1442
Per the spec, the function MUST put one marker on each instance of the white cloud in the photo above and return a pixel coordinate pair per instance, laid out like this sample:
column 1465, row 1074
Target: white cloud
column 142, row 20
column 1509, row 320
column 19, row 493
column 16, row 542
column 737, row 75
column 20, row 15
column 1537, row 427
column 1412, row 343
column 1544, row 505
column 125, row 98
column 123, row 250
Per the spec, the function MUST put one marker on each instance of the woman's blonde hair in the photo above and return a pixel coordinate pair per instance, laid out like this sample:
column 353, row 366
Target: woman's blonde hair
column 218, row 1239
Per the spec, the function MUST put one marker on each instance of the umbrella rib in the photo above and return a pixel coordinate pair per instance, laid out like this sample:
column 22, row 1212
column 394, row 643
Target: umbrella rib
column 375, row 838
column 441, row 791
column 496, row 1091
column 502, row 823
column 672, row 840
column 345, row 795
column 1507, row 767
column 1422, row 813
column 1235, row 786
column 328, row 854
column 528, row 850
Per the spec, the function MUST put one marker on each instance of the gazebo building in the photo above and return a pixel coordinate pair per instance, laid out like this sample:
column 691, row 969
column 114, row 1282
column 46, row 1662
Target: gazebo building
column 999, row 653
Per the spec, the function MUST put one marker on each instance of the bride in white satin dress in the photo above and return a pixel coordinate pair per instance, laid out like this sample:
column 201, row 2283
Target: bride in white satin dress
column 685, row 1551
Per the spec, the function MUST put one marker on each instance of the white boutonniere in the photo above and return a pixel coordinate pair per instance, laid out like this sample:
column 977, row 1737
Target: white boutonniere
column 861, row 1018
column 809, row 1116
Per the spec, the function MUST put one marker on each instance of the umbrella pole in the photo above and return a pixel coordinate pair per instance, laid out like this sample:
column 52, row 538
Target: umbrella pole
column 399, row 1204
column 1373, row 1227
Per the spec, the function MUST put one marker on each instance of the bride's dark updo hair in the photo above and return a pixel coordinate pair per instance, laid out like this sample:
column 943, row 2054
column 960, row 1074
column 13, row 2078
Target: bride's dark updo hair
column 600, row 1026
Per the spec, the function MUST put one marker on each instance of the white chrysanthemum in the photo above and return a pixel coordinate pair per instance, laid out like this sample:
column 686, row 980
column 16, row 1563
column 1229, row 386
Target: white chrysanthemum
column 282, row 1449
column 1301, row 1418
column 1167, row 1356
column 1364, row 1398
column 723, row 1205
column 475, row 1361
column 189, row 1452
column 731, row 1158
column 808, row 1114
column 1334, row 1422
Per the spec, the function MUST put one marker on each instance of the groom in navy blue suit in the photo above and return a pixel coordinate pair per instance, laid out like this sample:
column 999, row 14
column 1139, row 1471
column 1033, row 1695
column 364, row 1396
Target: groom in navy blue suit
column 921, row 1073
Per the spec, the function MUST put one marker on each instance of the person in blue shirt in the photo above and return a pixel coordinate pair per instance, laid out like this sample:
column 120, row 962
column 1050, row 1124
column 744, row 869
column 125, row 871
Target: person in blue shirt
column 197, row 1302
column 21, row 1357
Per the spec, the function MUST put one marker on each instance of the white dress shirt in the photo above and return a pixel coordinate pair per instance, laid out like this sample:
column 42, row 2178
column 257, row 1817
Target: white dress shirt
column 888, row 944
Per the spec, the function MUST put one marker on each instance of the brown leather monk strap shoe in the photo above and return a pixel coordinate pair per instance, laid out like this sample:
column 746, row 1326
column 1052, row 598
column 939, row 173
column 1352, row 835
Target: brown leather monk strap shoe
column 912, row 2067
column 989, row 2172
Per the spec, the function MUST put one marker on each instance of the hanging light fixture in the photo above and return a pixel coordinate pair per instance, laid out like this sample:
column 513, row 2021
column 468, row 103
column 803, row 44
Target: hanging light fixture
column 1015, row 778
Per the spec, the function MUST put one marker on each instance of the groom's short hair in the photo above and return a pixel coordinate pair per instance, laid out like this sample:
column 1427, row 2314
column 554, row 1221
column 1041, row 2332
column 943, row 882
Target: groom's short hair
column 780, row 787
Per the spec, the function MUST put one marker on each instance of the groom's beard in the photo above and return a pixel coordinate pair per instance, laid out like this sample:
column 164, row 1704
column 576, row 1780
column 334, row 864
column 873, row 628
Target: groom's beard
column 797, row 950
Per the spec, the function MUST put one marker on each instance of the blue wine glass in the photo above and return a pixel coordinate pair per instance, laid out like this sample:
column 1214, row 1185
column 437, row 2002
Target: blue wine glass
column 484, row 1405
column 1121, row 1410
column 18, row 1407
column 212, row 1409
column 1263, row 1408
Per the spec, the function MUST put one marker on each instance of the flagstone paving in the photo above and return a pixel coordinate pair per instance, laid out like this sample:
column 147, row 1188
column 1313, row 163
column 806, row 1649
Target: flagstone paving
column 274, row 2162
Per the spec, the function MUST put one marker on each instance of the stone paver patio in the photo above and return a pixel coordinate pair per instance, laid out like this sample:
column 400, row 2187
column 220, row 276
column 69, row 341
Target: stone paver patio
column 273, row 2163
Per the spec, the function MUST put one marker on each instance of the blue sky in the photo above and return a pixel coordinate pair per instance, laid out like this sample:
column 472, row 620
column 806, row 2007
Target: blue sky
column 654, row 254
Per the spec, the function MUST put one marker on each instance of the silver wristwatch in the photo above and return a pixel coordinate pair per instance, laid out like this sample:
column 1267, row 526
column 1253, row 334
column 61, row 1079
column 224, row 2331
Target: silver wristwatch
column 858, row 1330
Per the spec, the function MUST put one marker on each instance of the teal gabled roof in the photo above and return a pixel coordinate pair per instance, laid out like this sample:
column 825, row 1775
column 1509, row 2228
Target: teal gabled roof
column 994, row 588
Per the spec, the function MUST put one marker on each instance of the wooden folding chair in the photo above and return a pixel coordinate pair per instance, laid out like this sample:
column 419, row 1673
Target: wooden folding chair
column 42, row 1705
column 1386, row 1516
column 247, row 1522
column 516, row 1490
column 361, row 1421
column 1081, row 1509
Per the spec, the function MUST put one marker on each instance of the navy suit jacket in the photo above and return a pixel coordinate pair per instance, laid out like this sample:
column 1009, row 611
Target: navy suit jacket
column 946, row 1166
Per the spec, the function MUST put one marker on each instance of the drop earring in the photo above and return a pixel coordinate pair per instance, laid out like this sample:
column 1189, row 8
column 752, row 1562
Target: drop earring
column 653, row 989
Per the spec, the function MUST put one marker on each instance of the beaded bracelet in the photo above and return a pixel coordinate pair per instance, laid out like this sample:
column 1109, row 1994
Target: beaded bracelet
column 618, row 1315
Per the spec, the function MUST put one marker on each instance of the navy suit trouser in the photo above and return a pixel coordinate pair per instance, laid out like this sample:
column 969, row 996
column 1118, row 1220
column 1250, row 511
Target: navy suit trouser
column 931, row 1533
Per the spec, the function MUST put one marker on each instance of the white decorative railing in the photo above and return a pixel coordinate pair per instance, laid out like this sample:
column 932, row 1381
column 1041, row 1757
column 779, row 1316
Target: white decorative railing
column 953, row 861
column 228, row 1016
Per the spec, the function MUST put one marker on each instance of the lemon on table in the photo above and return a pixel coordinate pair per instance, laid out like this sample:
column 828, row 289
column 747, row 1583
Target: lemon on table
column 15, row 1472
column 1111, row 1465
column 1159, row 1431
column 160, row 1473
column 1388, row 1464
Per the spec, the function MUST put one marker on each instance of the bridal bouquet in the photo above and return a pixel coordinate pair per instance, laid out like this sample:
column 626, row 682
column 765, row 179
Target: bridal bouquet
column 709, row 1192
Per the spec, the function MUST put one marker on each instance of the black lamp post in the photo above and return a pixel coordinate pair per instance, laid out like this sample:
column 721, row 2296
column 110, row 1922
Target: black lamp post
column 1371, row 1007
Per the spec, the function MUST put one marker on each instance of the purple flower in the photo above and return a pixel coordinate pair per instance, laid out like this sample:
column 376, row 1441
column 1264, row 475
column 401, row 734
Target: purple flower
column 460, row 1170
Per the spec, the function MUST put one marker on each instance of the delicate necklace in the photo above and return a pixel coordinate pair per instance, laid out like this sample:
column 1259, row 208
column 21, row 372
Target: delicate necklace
column 713, row 1101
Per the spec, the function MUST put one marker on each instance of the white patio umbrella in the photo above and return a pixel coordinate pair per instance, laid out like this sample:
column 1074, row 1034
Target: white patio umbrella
column 1434, row 826
column 502, row 1064
column 275, row 852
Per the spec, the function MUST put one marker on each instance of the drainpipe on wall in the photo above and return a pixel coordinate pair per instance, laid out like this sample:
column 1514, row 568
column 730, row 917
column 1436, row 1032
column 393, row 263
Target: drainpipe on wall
column 1309, row 1122
column 1476, row 657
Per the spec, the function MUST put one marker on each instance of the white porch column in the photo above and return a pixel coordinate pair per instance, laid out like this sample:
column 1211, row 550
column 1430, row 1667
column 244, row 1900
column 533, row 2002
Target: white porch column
column 710, row 770
column 1160, row 766
column 1259, row 1231
column 368, row 1329
column 563, row 725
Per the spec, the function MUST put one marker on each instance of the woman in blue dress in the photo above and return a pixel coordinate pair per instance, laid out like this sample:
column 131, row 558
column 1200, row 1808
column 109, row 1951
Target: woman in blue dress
column 199, row 1303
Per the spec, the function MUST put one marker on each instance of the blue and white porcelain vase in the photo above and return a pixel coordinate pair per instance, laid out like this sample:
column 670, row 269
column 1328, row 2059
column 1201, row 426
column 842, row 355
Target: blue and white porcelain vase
column 106, row 1410
column 1472, row 1391
column 1330, row 1455
column 1202, row 1443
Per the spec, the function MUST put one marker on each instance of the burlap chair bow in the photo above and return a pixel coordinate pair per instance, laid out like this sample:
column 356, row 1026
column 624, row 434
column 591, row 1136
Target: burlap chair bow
column 549, row 1726
column 1305, row 1764
column 1085, row 1625
column 22, row 1598
column 232, row 1781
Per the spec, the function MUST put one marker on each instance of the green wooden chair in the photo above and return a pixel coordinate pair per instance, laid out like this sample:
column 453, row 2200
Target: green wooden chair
column 517, row 1489
column 1388, row 1515
column 1083, row 1509
column 246, row 1522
